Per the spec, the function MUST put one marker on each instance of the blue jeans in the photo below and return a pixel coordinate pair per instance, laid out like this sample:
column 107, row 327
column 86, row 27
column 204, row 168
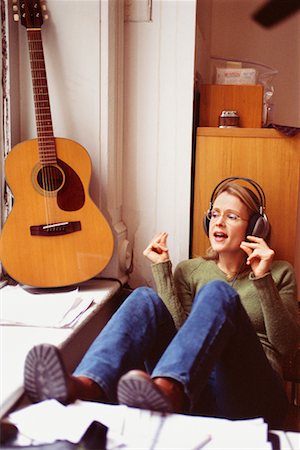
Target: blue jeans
column 216, row 354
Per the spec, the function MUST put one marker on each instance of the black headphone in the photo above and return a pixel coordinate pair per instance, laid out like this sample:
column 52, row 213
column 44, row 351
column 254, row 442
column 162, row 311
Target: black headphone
column 259, row 224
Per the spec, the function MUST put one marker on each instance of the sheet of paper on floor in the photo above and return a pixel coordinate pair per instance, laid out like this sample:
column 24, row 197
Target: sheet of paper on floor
column 135, row 428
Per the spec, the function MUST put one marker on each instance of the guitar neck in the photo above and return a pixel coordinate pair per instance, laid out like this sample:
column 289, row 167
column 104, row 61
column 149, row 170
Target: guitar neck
column 47, row 151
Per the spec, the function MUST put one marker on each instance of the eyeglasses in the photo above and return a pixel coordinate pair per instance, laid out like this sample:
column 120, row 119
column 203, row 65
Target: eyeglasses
column 230, row 217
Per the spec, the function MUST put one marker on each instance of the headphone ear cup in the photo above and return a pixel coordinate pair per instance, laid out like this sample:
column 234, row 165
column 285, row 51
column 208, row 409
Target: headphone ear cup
column 258, row 226
column 252, row 224
column 206, row 224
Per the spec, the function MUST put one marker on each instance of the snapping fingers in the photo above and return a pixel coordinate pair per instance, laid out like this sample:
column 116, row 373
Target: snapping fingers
column 157, row 250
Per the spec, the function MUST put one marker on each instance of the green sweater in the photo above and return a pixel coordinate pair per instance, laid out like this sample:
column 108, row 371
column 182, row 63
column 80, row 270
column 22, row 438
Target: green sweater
column 270, row 301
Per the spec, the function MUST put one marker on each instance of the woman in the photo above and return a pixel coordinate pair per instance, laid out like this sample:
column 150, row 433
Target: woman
column 211, row 341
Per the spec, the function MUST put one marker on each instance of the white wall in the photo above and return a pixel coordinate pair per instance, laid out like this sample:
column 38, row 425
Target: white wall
column 159, row 65
column 234, row 34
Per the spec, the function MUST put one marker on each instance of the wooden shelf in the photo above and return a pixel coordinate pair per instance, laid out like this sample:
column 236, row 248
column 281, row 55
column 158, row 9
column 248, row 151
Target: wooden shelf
column 241, row 132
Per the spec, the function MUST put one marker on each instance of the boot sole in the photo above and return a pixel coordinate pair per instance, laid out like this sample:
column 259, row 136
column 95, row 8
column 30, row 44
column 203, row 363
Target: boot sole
column 44, row 374
column 140, row 392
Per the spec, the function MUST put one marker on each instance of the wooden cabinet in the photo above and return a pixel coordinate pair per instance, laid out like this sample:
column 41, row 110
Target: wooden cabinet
column 262, row 154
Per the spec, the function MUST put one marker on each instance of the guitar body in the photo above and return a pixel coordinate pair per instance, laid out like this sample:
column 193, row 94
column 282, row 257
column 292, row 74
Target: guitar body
column 55, row 235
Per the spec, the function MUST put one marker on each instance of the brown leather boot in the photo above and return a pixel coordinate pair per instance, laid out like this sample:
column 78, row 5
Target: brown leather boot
column 173, row 390
column 84, row 388
column 45, row 377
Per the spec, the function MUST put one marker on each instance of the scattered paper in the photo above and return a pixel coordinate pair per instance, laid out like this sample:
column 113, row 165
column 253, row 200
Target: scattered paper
column 21, row 307
column 46, row 422
column 133, row 428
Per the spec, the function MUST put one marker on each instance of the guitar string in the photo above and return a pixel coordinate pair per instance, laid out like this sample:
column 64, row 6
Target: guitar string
column 45, row 168
column 39, row 74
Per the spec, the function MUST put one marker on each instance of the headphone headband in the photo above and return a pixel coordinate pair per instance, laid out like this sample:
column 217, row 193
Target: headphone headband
column 257, row 187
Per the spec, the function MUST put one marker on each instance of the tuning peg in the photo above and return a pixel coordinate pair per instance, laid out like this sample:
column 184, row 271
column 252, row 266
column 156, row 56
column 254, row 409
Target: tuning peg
column 44, row 11
column 15, row 10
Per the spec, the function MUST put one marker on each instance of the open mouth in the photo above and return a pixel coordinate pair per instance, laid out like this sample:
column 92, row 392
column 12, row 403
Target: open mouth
column 220, row 235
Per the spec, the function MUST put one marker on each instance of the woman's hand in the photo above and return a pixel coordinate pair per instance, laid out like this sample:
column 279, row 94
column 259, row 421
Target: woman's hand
column 260, row 255
column 157, row 250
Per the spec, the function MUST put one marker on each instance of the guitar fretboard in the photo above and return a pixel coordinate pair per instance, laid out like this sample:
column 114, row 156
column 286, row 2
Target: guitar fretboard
column 47, row 151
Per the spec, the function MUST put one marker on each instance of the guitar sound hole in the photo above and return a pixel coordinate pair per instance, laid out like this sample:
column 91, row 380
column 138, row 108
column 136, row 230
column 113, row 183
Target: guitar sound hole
column 50, row 178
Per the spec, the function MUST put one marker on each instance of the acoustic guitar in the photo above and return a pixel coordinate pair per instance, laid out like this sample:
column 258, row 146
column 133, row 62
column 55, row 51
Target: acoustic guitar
column 54, row 235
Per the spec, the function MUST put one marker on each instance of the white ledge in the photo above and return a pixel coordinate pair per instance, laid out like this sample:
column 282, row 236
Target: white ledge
column 16, row 340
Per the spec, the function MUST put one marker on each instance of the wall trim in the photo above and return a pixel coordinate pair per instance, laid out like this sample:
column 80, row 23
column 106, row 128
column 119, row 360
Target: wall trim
column 111, row 131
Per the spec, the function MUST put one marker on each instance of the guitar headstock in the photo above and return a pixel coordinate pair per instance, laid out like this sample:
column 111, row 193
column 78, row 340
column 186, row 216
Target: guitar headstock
column 31, row 12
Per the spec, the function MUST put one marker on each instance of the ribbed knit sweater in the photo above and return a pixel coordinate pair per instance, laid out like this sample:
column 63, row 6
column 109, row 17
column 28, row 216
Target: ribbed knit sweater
column 270, row 301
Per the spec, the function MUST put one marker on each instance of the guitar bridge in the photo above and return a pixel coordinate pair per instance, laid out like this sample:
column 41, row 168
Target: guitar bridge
column 55, row 229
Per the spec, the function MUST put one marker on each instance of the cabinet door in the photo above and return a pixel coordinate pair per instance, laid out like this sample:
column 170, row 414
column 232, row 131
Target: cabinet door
column 263, row 155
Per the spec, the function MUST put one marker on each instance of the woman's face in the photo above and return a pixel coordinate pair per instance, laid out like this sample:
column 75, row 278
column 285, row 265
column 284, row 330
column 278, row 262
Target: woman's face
column 228, row 224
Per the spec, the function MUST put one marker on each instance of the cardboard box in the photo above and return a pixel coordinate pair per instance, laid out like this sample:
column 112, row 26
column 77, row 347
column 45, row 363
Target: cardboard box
column 231, row 75
column 247, row 100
